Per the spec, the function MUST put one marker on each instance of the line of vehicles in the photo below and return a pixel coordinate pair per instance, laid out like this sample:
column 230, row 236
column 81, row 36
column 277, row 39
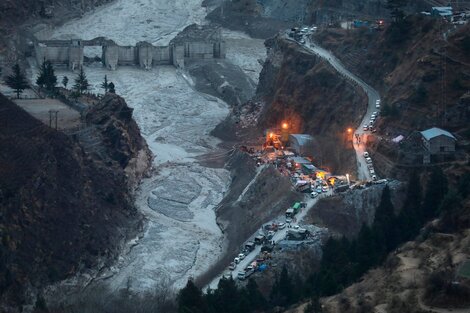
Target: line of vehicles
column 373, row 118
column 370, row 166
column 264, row 239
column 315, row 187
column 298, row 33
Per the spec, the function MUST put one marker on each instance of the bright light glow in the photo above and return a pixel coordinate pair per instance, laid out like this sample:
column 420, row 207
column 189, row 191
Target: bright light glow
column 285, row 126
column 349, row 130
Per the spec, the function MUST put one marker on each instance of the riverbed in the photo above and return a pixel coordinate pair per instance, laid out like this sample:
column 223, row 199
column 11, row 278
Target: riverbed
column 181, row 238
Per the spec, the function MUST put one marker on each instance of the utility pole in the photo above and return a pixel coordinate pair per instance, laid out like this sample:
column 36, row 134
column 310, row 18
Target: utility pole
column 53, row 112
column 222, row 10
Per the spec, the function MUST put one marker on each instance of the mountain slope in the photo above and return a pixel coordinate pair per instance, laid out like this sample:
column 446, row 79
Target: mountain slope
column 61, row 211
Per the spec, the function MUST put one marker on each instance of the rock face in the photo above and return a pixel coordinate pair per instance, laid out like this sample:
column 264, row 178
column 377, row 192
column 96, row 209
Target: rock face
column 121, row 138
column 303, row 90
column 346, row 212
column 62, row 211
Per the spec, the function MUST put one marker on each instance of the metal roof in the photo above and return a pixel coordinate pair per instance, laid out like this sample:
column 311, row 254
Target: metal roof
column 302, row 139
column 300, row 160
column 430, row 133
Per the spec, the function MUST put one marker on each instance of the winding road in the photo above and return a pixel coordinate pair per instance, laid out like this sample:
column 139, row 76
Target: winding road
column 372, row 95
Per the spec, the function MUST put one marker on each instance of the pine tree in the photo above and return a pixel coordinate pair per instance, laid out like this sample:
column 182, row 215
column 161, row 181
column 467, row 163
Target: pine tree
column 411, row 218
column 396, row 9
column 41, row 79
column 436, row 189
column 105, row 84
column 51, row 78
column 190, row 299
column 285, row 287
column 464, row 185
column 17, row 81
column 111, row 87
column 227, row 296
column 81, row 82
column 47, row 77
column 257, row 301
column 384, row 223
column 65, row 81
column 452, row 212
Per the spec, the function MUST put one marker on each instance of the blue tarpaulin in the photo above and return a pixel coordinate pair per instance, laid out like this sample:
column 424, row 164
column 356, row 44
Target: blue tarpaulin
column 262, row 267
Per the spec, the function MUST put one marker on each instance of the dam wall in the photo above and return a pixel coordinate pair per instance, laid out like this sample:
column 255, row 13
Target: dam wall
column 144, row 54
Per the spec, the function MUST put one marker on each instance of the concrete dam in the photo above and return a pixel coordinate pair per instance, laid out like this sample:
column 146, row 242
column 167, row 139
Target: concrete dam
column 71, row 52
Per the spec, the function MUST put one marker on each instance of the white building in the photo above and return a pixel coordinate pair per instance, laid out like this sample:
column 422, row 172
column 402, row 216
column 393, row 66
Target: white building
column 438, row 141
column 302, row 144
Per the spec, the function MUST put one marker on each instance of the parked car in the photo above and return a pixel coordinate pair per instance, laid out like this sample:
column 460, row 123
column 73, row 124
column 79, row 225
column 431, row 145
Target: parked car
column 232, row 266
column 288, row 220
column 377, row 104
column 374, row 177
column 366, row 127
column 371, row 171
column 302, row 41
column 318, row 190
column 281, row 225
column 313, row 195
column 241, row 256
column 325, row 189
column 366, row 154
column 368, row 160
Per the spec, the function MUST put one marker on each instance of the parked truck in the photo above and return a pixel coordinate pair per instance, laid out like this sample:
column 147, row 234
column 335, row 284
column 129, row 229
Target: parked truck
column 249, row 246
column 259, row 239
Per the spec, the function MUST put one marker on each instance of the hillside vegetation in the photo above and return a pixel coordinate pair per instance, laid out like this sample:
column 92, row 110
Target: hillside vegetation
column 61, row 210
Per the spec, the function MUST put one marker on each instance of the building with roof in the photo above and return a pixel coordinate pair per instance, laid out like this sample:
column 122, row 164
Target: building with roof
column 445, row 12
column 299, row 161
column 438, row 141
column 302, row 144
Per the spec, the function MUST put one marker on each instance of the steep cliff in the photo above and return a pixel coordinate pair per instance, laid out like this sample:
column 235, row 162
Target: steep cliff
column 62, row 211
column 121, row 138
column 345, row 213
column 300, row 88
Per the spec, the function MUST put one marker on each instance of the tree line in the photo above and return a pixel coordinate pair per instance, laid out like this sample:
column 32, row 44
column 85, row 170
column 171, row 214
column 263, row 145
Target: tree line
column 344, row 261
column 47, row 81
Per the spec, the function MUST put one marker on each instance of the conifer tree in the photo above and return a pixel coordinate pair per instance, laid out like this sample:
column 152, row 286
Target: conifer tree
column 111, row 87
column 190, row 299
column 47, row 77
column 81, row 82
column 411, row 217
column 257, row 300
column 384, row 223
column 65, row 81
column 396, row 8
column 105, row 84
column 17, row 81
column 436, row 189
